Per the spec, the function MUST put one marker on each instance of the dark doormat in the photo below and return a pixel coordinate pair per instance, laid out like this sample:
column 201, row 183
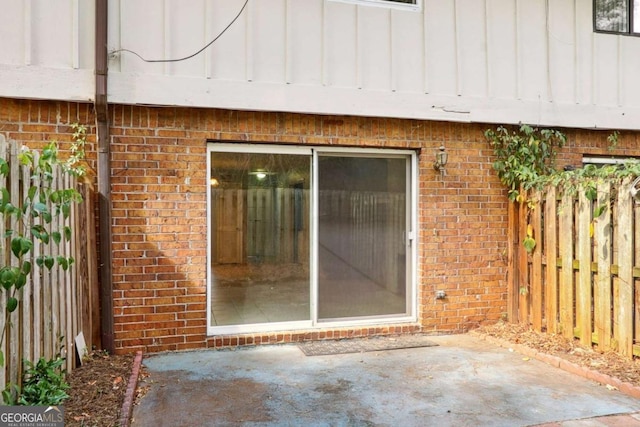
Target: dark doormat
column 360, row 345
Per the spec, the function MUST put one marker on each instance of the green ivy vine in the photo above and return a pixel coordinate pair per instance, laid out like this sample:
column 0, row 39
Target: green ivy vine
column 524, row 155
column 525, row 160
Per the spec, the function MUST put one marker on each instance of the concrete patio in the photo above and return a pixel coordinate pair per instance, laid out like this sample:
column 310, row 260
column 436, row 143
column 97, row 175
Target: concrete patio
column 463, row 381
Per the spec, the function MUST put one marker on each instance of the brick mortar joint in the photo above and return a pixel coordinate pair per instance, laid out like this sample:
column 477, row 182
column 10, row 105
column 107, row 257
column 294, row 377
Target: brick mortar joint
column 565, row 365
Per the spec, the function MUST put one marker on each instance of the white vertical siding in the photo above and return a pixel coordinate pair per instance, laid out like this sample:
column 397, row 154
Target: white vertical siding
column 490, row 60
column 471, row 36
column 304, row 42
column 14, row 34
column 407, row 52
column 584, row 77
column 502, row 61
column 630, row 74
column 374, row 48
column 47, row 49
column 533, row 70
column 228, row 58
column 142, row 26
column 341, row 44
column 606, row 60
column 184, row 34
column 86, row 37
column 269, row 40
column 561, row 34
column 53, row 44
column 442, row 47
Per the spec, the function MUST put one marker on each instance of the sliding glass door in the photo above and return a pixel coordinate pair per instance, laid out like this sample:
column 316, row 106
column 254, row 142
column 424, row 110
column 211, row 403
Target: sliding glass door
column 301, row 237
column 362, row 228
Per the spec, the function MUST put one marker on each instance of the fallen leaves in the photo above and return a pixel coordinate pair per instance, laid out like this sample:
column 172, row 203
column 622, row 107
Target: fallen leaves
column 609, row 363
column 97, row 390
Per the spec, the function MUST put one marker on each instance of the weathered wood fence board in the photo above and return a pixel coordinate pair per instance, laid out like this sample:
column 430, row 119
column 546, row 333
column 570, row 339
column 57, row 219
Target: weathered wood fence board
column 581, row 279
column 54, row 305
column 604, row 259
column 550, row 285
column 623, row 289
column 566, row 274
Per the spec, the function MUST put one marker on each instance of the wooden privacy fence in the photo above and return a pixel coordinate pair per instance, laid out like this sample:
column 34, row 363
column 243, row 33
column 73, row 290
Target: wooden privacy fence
column 54, row 305
column 582, row 279
column 261, row 225
column 366, row 231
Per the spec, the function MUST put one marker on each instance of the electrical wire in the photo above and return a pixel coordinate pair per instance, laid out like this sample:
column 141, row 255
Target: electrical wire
column 193, row 54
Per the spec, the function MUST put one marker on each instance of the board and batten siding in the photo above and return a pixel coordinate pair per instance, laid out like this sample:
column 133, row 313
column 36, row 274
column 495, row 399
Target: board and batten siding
column 47, row 49
column 492, row 61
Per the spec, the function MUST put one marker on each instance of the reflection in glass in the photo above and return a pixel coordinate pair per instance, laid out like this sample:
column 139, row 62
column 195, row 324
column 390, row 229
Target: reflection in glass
column 361, row 225
column 611, row 15
column 259, row 238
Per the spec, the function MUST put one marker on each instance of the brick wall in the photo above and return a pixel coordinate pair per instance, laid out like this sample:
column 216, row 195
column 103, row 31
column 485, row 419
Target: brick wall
column 159, row 211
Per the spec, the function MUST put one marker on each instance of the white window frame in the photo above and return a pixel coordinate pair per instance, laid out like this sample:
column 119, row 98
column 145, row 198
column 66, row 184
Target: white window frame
column 313, row 153
column 389, row 4
column 597, row 160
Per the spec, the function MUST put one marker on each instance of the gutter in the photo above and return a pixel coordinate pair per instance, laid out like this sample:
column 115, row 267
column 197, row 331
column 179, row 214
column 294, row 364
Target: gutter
column 104, row 177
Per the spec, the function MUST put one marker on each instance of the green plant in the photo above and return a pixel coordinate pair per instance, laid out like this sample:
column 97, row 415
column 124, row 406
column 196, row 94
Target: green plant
column 523, row 155
column 43, row 383
column 35, row 217
column 525, row 160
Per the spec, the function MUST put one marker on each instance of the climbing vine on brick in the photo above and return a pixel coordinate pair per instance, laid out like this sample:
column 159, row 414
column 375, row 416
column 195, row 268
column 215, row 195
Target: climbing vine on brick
column 524, row 155
column 525, row 160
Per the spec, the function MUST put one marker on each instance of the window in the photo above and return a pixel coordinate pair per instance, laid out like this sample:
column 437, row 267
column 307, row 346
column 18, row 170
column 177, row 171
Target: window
column 400, row 4
column 617, row 16
column 606, row 160
column 302, row 237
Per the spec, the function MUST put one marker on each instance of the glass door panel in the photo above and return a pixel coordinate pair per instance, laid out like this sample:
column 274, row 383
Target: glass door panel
column 362, row 225
column 259, row 238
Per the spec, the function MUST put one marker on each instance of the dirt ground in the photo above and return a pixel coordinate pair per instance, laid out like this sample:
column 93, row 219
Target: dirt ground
column 98, row 387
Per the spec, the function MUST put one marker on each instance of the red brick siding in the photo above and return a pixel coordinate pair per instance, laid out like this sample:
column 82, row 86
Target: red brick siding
column 159, row 211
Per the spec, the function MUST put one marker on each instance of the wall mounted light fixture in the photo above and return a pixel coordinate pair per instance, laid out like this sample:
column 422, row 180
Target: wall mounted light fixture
column 441, row 159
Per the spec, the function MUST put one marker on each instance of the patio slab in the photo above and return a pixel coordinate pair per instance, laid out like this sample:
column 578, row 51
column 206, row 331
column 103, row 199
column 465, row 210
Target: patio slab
column 463, row 381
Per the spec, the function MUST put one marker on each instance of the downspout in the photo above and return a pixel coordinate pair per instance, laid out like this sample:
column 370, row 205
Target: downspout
column 104, row 177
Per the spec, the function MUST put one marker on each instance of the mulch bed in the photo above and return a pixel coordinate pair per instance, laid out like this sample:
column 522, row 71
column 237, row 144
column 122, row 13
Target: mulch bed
column 605, row 362
column 97, row 390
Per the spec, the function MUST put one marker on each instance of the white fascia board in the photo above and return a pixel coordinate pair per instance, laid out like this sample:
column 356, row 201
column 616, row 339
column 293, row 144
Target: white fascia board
column 162, row 90
column 33, row 82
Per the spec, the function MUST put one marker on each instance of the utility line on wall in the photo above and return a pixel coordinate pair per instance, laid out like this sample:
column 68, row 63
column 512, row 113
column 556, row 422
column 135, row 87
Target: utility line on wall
column 114, row 52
